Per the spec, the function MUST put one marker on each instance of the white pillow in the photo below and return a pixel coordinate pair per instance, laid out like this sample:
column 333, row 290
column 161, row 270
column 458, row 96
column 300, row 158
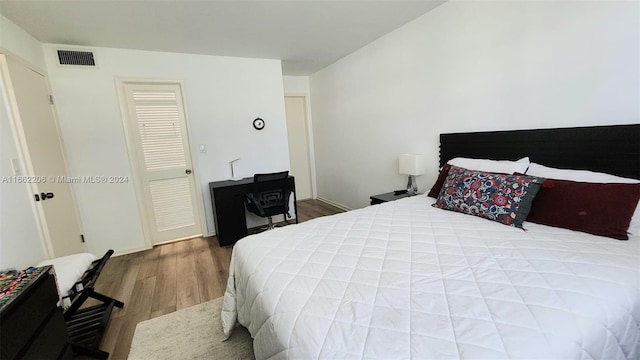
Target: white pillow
column 495, row 166
column 577, row 175
column 588, row 176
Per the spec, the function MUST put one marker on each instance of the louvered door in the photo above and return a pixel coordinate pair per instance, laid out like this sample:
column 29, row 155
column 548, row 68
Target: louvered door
column 158, row 132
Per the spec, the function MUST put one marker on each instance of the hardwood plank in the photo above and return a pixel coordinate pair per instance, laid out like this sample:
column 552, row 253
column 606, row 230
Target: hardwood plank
column 187, row 284
column 170, row 277
column 165, row 311
column 110, row 336
column 113, row 268
column 140, row 303
column 138, row 309
column 165, row 292
column 149, row 263
column 188, row 294
column 222, row 259
column 221, row 256
column 185, row 261
column 208, row 284
column 310, row 209
column 124, row 292
column 168, row 259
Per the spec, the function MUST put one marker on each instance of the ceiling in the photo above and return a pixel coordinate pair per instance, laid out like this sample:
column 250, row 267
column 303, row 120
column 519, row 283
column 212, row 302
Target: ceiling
column 306, row 35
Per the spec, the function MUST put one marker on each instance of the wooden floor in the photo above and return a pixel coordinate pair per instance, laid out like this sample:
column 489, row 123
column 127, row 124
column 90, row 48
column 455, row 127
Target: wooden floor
column 170, row 277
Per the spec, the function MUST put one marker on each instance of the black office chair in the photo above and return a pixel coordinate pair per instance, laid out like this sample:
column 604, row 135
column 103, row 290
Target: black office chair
column 270, row 196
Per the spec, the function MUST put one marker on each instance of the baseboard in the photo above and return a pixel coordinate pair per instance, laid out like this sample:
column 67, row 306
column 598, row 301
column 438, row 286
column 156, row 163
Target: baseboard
column 333, row 203
column 176, row 240
column 129, row 251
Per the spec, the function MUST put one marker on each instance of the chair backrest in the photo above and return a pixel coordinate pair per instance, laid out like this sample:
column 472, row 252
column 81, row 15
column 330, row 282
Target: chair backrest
column 272, row 190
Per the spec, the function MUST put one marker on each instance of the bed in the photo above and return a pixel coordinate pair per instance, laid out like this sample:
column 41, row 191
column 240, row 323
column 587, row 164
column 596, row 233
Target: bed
column 406, row 280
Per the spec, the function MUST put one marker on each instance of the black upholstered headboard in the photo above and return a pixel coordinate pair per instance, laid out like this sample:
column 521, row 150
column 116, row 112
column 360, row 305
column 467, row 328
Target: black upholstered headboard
column 610, row 149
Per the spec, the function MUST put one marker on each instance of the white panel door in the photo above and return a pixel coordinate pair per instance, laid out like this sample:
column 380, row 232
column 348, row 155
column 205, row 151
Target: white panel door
column 296, row 110
column 158, row 133
column 39, row 139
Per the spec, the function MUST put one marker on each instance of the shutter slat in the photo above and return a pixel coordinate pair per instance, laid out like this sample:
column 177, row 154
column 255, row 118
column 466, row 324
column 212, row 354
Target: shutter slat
column 158, row 117
column 172, row 203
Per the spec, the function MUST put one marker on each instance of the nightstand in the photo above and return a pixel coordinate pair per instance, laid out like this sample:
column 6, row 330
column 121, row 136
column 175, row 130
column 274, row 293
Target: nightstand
column 390, row 196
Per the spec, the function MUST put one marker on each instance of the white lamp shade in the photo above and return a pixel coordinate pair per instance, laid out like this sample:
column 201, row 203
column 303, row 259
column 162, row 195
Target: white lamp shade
column 411, row 164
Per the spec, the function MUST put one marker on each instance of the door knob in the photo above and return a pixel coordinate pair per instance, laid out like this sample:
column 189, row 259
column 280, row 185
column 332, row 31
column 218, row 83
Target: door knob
column 45, row 196
column 188, row 171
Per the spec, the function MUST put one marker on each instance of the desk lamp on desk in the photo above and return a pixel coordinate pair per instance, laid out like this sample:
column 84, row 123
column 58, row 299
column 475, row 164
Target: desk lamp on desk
column 233, row 173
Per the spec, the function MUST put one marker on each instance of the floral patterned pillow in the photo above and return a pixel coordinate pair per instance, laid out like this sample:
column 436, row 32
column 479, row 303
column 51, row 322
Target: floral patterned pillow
column 498, row 197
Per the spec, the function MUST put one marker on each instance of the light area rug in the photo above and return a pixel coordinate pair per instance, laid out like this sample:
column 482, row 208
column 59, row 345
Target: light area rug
column 191, row 333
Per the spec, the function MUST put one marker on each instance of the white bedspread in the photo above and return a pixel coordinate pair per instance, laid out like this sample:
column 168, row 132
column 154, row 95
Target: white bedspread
column 404, row 280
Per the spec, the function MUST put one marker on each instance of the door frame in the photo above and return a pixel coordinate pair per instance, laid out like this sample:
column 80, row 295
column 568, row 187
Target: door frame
column 135, row 165
column 310, row 143
column 23, row 150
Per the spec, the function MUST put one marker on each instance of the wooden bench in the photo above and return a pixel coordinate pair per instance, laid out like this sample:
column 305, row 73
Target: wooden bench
column 86, row 325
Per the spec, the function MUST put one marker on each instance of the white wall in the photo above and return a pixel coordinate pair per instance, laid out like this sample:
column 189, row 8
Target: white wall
column 470, row 66
column 223, row 96
column 20, row 43
column 296, row 85
column 21, row 242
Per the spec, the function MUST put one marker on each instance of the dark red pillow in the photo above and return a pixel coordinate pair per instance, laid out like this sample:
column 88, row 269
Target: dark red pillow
column 435, row 190
column 599, row 209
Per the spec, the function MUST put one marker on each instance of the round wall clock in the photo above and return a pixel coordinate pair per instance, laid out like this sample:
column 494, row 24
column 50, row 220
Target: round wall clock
column 258, row 124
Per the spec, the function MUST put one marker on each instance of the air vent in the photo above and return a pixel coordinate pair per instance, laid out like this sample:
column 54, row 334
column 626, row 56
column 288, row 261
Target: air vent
column 81, row 58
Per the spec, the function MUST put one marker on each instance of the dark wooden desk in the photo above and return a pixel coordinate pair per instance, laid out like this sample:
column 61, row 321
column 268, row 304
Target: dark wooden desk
column 227, row 200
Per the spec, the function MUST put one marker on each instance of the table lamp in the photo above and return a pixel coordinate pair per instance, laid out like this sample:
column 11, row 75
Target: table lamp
column 412, row 165
column 233, row 173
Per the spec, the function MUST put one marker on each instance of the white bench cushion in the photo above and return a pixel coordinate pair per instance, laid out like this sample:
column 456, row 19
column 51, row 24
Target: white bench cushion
column 69, row 269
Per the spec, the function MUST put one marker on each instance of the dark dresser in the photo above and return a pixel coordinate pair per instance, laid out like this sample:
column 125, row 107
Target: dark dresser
column 31, row 323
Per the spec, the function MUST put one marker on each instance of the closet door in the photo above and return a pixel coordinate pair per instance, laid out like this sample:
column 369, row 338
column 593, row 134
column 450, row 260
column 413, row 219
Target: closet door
column 45, row 167
column 299, row 155
column 158, row 139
